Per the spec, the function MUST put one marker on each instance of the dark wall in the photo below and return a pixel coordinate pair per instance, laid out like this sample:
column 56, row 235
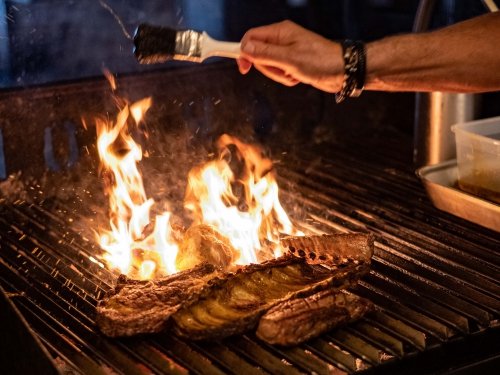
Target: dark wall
column 45, row 41
column 51, row 41
column 189, row 112
column 56, row 40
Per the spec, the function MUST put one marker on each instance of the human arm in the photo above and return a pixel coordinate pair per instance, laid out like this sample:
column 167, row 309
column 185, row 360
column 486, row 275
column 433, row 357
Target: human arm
column 464, row 57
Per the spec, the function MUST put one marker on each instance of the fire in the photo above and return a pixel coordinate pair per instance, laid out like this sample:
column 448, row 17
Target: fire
column 127, row 246
column 244, row 205
column 236, row 193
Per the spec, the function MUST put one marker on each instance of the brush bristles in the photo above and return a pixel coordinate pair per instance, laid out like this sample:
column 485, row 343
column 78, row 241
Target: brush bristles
column 154, row 44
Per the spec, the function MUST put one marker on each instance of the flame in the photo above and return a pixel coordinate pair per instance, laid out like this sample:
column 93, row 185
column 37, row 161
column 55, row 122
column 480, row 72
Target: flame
column 236, row 194
column 242, row 205
column 111, row 78
column 128, row 246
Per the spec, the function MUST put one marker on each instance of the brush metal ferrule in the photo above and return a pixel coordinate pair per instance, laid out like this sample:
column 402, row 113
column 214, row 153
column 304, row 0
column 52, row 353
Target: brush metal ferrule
column 188, row 45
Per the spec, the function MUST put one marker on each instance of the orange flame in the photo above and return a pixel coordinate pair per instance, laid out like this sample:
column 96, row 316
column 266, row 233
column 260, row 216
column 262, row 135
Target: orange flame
column 127, row 246
column 236, row 193
column 111, row 78
column 245, row 206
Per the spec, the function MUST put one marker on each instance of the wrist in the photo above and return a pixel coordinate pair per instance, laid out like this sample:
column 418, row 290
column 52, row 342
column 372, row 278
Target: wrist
column 379, row 58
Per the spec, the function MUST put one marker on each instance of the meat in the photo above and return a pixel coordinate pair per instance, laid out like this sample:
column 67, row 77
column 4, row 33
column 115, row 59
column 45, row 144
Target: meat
column 203, row 243
column 206, row 302
column 331, row 249
column 235, row 304
column 300, row 319
column 135, row 307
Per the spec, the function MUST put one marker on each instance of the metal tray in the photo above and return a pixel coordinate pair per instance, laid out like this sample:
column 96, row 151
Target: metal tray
column 440, row 182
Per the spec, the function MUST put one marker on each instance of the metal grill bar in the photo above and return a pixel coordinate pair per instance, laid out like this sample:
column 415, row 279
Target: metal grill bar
column 226, row 358
column 378, row 337
column 186, row 355
column 404, row 313
column 399, row 330
column 441, row 281
column 483, row 279
column 428, row 289
column 251, row 350
column 393, row 222
column 78, row 342
column 66, row 291
column 395, row 185
column 436, row 293
column 304, row 359
column 333, row 354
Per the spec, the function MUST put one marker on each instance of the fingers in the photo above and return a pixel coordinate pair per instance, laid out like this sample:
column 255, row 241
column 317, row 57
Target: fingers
column 265, row 54
column 269, row 71
column 277, row 75
column 269, row 44
column 268, row 49
column 244, row 65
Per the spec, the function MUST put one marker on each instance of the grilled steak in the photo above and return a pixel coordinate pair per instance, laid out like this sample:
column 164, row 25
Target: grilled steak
column 135, row 307
column 235, row 304
column 205, row 302
column 300, row 319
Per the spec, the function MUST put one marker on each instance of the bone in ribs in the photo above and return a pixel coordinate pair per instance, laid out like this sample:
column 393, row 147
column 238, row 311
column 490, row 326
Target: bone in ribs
column 134, row 307
column 236, row 304
column 206, row 303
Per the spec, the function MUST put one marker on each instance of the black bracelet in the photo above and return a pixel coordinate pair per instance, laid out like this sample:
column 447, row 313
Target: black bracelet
column 354, row 56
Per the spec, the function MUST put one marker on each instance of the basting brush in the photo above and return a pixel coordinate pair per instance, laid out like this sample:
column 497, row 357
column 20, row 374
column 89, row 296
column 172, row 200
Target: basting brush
column 156, row 44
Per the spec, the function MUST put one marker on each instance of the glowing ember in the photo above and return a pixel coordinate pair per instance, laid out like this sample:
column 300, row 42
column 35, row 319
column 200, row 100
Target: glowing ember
column 235, row 196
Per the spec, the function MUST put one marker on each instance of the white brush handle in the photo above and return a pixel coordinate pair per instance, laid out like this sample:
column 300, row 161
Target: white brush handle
column 211, row 47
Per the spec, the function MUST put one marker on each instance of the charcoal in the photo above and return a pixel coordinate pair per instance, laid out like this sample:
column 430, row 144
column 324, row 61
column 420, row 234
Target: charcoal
column 134, row 307
column 300, row 319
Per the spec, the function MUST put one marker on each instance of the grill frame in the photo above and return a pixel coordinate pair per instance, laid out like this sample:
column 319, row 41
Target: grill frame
column 444, row 266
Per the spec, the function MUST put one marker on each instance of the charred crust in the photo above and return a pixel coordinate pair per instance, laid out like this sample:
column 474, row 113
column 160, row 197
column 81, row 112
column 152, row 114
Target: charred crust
column 331, row 249
column 176, row 298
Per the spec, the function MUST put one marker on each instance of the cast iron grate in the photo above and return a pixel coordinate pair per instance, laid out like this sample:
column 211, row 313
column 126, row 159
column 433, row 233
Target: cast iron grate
column 434, row 281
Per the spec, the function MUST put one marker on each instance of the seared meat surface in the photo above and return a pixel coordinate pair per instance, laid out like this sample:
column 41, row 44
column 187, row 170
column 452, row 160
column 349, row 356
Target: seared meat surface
column 135, row 307
column 236, row 304
column 206, row 302
column 331, row 249
column 300, row 319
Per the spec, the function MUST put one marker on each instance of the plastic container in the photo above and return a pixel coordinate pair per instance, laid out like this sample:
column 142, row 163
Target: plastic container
column 478, row 157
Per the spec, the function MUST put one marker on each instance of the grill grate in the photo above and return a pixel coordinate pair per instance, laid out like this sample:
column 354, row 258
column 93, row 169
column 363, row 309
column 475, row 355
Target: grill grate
column 434, row 279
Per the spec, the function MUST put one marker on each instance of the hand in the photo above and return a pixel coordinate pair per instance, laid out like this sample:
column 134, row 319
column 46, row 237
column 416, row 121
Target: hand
column 289, row 54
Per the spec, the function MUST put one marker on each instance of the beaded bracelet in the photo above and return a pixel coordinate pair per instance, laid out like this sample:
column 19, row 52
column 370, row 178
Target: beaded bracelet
column 354, row 56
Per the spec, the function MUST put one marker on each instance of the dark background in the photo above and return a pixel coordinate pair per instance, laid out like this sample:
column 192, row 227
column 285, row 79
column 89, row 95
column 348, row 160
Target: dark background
column 46, row 45
column 45, row 41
